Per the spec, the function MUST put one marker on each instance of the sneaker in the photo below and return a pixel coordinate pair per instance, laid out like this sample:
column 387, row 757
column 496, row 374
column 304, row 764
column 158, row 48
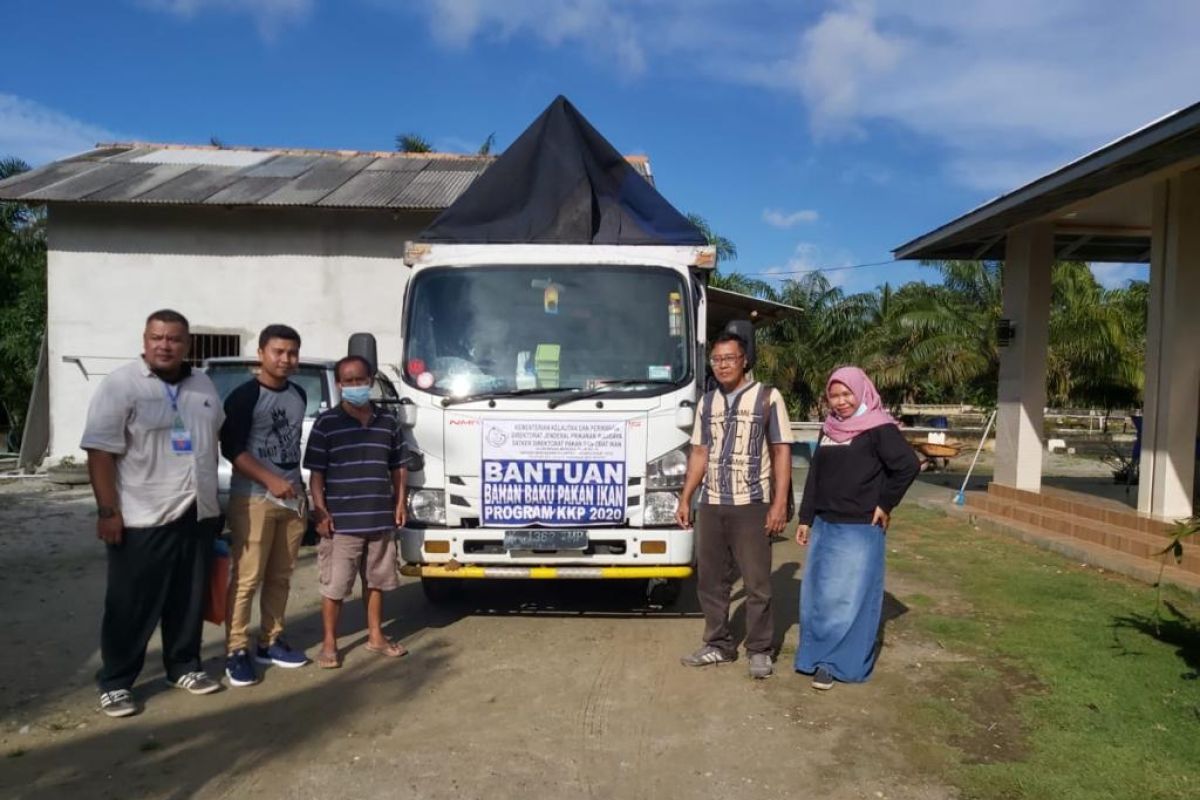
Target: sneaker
column 196, row 683
column 280, row 654
column 118, row 703
column 239, row 669
column 707, row 655
column 760, row 665
column 822, row 679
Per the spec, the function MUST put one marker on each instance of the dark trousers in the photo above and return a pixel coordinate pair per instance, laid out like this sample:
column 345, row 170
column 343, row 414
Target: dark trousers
column 155, row 574
column 729, row 536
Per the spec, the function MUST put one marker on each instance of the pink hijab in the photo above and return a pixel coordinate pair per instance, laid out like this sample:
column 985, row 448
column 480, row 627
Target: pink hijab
column 843, row 430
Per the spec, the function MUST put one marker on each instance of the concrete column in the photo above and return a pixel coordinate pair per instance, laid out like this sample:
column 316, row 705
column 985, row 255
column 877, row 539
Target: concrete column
column 1172, row 394
column 1029, row 255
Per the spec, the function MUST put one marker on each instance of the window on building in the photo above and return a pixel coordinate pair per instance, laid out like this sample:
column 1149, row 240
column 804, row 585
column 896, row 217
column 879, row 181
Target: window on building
column 213, row 345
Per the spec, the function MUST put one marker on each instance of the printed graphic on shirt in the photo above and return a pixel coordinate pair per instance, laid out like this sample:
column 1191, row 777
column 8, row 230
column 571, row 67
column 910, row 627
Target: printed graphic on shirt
column 281, row 445
column 738, row 431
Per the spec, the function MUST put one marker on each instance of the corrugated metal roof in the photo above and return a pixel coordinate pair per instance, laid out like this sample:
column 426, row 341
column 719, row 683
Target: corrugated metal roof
column 157, row 173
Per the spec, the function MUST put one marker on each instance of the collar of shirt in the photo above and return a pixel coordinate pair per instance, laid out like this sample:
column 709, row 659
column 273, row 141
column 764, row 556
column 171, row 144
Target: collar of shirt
column 185, row 370
column 370, row 420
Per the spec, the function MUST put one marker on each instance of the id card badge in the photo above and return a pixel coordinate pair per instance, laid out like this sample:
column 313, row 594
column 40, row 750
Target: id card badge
column 181, row 437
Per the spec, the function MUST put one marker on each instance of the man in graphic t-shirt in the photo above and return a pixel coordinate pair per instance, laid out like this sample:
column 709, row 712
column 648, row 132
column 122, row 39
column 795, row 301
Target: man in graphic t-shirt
column 261, row 439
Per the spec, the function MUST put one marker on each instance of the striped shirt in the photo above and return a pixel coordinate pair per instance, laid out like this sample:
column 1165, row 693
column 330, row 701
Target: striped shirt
column 357, row 461
column 732, row 427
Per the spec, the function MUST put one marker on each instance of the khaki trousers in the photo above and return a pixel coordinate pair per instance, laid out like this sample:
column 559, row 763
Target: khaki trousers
column 266, row 541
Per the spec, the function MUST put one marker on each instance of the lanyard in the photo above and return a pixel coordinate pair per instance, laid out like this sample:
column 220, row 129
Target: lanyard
column 172, row 396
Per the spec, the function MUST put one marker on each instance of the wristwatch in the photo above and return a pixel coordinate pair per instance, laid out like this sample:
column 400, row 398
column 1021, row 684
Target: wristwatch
column 106, row 512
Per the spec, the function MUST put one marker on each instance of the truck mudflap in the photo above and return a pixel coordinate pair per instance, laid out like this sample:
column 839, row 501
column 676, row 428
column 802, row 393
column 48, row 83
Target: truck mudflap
column 544, row 573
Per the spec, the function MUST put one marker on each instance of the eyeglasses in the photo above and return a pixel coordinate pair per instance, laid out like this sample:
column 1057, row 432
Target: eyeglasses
column 717, row 361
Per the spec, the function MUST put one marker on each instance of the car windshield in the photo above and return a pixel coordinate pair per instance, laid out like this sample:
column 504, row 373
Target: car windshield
column 485, row 329
column 228, row 376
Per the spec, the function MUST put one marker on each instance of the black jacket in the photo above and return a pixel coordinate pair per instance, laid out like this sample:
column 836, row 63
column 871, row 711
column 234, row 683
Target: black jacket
column 847, row 481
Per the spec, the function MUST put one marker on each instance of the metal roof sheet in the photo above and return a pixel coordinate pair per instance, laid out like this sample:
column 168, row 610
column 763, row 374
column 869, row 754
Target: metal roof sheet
column 193, row 186
column 370, row 188
column 140, row 172
column 89, row 182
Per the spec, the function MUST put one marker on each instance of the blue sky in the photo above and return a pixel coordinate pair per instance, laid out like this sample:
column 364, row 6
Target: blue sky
column 813, row 134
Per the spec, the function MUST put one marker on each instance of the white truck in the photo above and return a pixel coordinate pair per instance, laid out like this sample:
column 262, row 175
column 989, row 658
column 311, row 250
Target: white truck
column 552, row 390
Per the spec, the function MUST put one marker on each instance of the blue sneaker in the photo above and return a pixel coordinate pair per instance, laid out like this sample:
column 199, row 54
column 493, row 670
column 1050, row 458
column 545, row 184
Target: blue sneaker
column 239, row 669
column 280, row 654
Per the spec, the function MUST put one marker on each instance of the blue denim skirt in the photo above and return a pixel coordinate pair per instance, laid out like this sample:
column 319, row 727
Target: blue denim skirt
column 841, row 600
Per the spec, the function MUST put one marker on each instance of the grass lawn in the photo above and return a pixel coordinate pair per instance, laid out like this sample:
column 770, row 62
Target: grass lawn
column 1065, row 690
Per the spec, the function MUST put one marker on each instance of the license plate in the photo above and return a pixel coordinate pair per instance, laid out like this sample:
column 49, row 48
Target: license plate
column 545, row 539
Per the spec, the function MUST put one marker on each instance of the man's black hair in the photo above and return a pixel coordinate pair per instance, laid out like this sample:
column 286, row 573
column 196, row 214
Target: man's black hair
column 730, row 336
column 169, row 316
column 337, row 368
column 284, row 332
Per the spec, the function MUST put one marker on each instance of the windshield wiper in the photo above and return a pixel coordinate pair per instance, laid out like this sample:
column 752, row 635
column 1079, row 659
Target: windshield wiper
column 471, row 398
column 583, row 394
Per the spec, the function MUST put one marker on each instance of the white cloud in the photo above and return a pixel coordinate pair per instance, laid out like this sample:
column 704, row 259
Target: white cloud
column 1116, row 276
column 271, row 16
column 606, row 28
column 788, row 219
column 808, row 257
column 1009, row 88
column 37, row 134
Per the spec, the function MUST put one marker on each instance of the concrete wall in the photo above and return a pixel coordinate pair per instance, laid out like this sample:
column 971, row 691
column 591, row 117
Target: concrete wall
column 326, row 272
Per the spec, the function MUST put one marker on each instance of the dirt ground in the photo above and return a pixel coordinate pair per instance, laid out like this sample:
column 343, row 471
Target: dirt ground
column 553, row 690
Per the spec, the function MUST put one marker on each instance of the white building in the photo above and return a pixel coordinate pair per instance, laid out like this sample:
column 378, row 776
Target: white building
column 234, row 239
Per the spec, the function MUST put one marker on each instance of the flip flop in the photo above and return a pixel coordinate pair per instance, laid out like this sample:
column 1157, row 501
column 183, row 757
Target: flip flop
column 328, row 660
column 391, row 649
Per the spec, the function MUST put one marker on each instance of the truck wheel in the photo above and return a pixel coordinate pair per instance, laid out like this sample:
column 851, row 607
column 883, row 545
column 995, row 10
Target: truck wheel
column 663, row 592
column 441, row 591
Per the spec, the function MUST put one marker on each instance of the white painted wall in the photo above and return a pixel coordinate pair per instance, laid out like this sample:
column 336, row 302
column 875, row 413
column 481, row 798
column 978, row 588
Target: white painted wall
column 326, row 272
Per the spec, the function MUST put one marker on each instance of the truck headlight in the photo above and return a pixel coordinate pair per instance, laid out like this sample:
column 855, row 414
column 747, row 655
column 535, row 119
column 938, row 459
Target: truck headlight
column 427, row 506
column 660, row 509
column 668, row 470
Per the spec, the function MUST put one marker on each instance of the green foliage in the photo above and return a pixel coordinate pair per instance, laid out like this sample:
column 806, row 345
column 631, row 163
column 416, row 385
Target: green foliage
column 726, row 249
column 485, row 149
column 22, row 297
column 413, row 143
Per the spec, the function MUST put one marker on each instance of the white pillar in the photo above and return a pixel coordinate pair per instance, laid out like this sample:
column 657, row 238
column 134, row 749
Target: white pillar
column 1029, row 255
column 1168, row 465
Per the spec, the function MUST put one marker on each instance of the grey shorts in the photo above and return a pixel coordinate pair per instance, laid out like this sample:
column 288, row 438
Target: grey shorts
column 343, row 556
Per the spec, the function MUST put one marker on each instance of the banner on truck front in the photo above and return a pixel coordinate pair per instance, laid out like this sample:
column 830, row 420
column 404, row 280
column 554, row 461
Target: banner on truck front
column 553, row 472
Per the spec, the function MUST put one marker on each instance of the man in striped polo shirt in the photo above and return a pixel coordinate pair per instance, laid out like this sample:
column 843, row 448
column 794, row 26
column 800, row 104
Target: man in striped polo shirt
column 357, row 459
column 740, row 452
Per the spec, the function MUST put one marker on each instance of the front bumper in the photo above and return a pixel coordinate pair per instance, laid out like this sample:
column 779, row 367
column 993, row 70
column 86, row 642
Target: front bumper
column 543, row 573
column 609, row 548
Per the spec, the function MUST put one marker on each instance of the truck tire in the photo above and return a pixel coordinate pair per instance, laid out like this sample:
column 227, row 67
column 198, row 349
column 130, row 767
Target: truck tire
column 442, row 591
column 663, row 592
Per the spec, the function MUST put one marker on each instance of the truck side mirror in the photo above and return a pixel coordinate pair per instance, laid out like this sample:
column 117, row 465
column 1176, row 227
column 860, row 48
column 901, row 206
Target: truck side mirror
column 363, row 346
column 685, row 417
column 406, row 412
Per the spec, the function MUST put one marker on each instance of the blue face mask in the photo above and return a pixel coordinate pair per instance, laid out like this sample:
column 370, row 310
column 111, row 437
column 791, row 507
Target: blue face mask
column 862, row 409
column 356, row 395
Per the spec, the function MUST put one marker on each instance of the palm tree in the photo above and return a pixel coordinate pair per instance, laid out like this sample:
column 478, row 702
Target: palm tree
column 726, row 250
column 485, row 149
column 413, row 143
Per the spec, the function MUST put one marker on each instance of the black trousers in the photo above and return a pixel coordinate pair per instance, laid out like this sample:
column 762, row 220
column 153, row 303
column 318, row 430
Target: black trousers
column 155, row 575
column 729, row 536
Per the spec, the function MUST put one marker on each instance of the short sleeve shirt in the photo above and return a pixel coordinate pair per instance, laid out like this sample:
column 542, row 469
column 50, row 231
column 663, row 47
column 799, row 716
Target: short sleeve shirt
column 357, row 461
column 132, row 416
column 269, row 424
column 737, row 429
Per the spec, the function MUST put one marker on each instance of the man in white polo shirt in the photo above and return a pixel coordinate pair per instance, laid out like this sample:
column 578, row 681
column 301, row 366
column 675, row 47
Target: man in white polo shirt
column 152, row 438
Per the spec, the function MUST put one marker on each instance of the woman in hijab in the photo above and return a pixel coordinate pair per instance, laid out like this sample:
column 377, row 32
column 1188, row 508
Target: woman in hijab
column 860, row 471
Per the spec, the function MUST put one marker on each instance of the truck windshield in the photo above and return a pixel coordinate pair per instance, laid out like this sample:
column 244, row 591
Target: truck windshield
column 497, row 329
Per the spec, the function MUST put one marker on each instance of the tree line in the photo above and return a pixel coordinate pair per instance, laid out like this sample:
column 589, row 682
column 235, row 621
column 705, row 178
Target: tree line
column 936, row 342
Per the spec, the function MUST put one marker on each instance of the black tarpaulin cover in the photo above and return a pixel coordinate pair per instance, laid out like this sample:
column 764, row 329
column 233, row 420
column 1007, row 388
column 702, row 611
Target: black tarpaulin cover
column 561, row 182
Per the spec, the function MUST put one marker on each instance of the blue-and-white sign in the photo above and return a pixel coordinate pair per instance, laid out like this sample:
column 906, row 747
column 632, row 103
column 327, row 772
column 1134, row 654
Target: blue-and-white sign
column 553, row 472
